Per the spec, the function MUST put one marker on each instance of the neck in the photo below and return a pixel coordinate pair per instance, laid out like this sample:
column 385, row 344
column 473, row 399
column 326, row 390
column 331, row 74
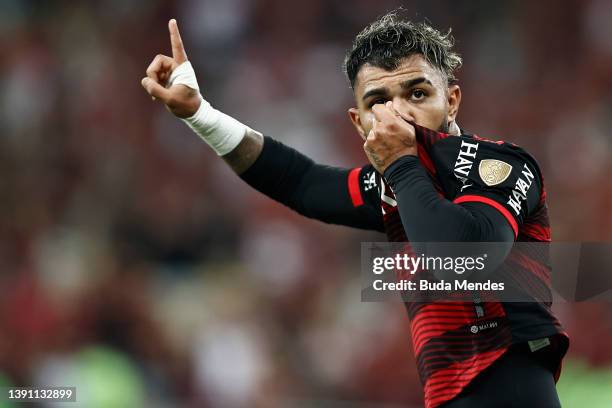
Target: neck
column 453, row 129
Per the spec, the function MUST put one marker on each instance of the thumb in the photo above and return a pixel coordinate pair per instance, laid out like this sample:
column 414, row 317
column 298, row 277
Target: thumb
column 155, row 89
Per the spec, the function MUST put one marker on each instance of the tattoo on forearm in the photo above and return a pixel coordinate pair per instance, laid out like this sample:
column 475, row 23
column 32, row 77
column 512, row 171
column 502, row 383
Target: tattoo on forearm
column 376, row 160
column 245, row 154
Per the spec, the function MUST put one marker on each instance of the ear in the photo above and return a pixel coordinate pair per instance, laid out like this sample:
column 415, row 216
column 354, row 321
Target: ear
column 356, row 120
column 454, row 100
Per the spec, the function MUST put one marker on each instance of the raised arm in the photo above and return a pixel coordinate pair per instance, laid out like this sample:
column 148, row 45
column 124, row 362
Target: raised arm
column 172, row 81
column 329, row 194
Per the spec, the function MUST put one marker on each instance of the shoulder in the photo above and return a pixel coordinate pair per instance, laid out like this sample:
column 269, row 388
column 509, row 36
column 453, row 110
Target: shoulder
column 524, row 165
column 500, row 171
column 498, row 157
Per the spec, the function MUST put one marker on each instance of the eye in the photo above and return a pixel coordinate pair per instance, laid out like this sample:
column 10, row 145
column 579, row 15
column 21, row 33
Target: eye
column 377, row 101
column 418, row 94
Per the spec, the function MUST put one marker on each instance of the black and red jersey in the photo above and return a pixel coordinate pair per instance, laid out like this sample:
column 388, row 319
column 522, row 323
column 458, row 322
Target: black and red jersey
column 453, row 342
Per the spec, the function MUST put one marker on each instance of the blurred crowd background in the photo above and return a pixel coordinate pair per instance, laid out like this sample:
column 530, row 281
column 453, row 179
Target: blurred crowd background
column 135, row 266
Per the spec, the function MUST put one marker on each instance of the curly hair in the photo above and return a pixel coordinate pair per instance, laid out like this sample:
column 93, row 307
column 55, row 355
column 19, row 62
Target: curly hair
column 388, row 40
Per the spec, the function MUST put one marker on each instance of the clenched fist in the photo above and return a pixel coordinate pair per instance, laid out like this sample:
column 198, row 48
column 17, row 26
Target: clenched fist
column 181, row 100
column 390, row 138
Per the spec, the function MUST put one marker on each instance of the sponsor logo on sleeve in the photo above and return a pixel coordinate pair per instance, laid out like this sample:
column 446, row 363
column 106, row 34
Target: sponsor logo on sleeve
column 369, row 181
column 519, row 193
column 465, row 161
column 494, row 172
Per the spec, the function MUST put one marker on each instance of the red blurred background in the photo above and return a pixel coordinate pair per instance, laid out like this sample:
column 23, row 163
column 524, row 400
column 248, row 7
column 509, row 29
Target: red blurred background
column 135, row 266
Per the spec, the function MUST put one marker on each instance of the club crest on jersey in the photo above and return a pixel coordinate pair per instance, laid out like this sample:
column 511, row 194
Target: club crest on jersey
column 494, row 172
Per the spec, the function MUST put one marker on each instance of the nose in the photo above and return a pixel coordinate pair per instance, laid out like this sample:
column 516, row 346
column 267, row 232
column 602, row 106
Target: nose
column 401, row 106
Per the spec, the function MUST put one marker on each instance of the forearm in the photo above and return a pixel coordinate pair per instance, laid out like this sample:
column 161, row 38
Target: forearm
column 428, row 217
column 282, row 173
column 246, row 153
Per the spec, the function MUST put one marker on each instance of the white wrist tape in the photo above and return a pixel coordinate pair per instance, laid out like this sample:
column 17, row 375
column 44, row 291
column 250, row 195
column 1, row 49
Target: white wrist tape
column 184, row 75
column 222, row 132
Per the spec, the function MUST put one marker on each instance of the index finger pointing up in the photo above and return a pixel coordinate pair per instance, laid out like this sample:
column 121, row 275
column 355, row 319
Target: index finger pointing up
column 178, row 51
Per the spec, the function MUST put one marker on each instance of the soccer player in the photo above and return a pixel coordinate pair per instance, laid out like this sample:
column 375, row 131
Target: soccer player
column 427, row 181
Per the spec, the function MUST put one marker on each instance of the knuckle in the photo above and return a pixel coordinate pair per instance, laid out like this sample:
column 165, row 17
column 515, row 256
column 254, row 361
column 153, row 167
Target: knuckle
column 152, row 65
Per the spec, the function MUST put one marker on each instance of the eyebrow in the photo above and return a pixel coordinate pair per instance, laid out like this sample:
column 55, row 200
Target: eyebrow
column 375, row 92
column 405, row 85
column 412, row 82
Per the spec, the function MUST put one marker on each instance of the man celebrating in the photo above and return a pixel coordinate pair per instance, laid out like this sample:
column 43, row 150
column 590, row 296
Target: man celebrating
column 427, row 181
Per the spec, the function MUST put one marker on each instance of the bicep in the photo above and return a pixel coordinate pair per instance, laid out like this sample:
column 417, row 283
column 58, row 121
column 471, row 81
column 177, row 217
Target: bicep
column 339, row 196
